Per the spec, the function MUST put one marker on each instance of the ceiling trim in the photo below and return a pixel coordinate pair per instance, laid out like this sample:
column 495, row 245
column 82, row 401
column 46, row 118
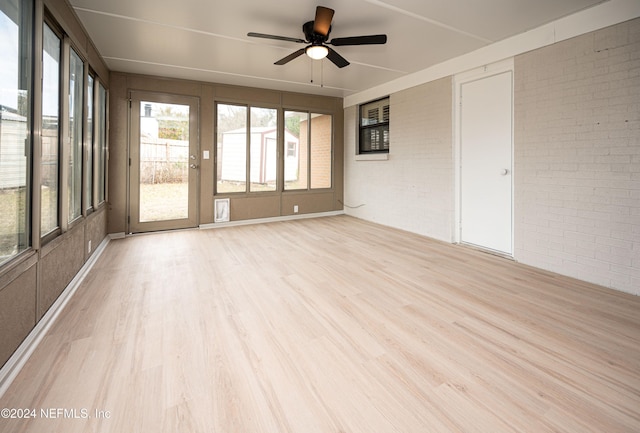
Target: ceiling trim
column 211, row 71
column 428, row 20
column 157, row 23
column 597, row 17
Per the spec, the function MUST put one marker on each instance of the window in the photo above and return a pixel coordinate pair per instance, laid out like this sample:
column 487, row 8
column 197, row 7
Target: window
column 247, row 149
column 264, row 149
column 75, row 119
column 88, row 165
column 374, row 127
column 101, row 143
column 320, row 151
column 246, row 134
column 15, row 124
column 308, row 157
column 231, row 148
column 292, row 149
column 296, row 132
column 50, row 131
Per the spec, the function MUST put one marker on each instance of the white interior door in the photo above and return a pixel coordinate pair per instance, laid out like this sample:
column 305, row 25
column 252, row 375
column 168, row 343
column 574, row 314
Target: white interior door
column 486, row 162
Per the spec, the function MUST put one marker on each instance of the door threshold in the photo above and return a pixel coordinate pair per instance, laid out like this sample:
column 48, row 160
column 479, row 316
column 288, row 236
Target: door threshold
column 486, row 250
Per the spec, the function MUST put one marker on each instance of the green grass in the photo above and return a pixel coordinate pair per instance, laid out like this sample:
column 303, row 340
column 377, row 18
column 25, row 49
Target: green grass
column 164, row 201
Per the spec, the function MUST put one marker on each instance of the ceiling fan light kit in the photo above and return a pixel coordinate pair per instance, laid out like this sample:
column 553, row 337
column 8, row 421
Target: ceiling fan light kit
column 316, row 34
column 317, row 52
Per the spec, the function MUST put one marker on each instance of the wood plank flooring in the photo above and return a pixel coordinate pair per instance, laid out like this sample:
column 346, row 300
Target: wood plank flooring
column 329, row 325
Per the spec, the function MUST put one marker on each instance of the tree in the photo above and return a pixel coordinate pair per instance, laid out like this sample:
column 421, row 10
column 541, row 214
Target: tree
column 292, row 123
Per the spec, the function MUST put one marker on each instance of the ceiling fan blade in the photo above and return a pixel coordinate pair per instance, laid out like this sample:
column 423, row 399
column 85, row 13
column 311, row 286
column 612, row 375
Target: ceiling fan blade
column 337, row 59
column 290, row 57
column 322, row 22
column 278, row 38
column 359, row 40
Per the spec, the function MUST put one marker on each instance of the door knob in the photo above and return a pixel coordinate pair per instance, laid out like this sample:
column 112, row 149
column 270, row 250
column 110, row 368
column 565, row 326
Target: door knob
column 193, row 165
column 504, row 172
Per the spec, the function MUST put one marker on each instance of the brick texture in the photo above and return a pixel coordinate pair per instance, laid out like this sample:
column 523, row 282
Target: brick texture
column 321, row 151
column 413, row 190
column 577, row 157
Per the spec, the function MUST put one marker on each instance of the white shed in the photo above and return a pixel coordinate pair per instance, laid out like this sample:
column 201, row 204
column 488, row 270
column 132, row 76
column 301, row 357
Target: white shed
column 263, row 148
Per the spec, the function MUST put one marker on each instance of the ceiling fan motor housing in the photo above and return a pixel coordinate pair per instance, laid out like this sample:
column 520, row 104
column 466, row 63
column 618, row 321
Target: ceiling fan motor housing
column 313, row 37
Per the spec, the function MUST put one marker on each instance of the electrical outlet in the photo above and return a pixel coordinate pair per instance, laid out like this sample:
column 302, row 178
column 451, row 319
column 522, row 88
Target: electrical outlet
column 295, row 208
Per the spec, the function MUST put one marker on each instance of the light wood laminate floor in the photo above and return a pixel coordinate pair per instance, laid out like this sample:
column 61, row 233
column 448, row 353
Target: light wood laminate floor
column 330, row 325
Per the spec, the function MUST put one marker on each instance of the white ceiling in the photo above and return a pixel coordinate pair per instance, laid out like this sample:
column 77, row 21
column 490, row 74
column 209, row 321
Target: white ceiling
column 206, row 40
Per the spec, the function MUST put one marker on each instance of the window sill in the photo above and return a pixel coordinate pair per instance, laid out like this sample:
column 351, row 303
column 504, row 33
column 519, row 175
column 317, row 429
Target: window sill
column 372, row 157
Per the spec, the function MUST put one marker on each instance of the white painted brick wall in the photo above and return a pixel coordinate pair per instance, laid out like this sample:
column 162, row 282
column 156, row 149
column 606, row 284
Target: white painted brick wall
column 577, row 157
column 413, row 190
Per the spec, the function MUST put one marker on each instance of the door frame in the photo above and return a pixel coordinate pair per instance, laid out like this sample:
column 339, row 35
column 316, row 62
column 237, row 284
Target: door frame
column 486, row 71
column 133, row 153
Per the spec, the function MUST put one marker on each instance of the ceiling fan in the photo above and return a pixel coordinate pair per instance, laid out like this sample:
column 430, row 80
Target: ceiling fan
column 316, row 33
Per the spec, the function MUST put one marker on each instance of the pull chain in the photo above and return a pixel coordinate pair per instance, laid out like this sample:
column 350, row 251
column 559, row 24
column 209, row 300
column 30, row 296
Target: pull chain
column 311, row 63
column 321, row 72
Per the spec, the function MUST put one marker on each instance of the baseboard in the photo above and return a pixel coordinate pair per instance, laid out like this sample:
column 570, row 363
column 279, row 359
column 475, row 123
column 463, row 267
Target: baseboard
column 12, row 367
column 271, row 219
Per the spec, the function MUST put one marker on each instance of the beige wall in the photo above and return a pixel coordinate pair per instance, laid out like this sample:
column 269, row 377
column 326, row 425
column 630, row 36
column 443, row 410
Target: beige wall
column 31, row 283
column 18, row 295
column 242, row 206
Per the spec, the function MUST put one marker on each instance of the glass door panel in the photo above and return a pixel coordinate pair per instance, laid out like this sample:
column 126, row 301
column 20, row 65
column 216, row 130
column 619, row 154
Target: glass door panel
column 164, row 164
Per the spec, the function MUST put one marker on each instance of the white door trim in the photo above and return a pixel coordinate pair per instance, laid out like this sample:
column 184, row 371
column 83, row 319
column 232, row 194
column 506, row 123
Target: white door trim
column 486, row 71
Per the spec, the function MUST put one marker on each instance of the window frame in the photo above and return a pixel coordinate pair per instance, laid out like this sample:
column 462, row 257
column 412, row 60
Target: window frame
column 298, row 151
column 47, row 56
column 88, row 172
column 382, row 126
column 25, row 91
column 217, row 148
column 248, row 106
column 46, row 236
column 250, row 154
column 311, row 114
column 101, row 145
column 70, row 146
column 312, row 140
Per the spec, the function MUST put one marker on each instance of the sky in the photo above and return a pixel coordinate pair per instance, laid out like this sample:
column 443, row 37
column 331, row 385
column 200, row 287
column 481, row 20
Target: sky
column 9, row 61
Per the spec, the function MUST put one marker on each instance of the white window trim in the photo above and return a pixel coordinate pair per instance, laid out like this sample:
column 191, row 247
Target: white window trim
column 372, row 157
